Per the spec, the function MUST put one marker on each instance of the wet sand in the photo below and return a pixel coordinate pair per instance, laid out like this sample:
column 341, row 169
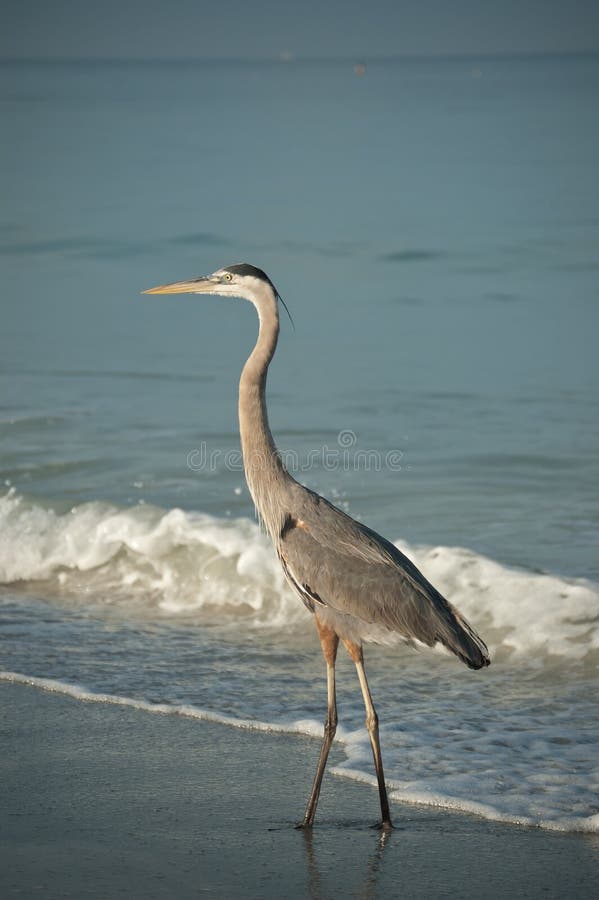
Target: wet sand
column 107, row 801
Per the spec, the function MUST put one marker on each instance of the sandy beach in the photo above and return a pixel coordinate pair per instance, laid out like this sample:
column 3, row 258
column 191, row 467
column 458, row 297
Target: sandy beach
column 103, row 801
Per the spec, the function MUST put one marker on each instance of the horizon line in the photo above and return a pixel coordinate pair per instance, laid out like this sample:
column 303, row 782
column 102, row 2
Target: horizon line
column 288, row 58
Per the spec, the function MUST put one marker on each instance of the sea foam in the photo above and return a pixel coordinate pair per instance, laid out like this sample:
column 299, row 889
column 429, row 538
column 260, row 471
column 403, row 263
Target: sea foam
column 179, row 564
column 443, row 785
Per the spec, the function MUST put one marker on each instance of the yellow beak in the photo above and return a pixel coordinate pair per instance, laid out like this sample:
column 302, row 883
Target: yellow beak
column 200, row 285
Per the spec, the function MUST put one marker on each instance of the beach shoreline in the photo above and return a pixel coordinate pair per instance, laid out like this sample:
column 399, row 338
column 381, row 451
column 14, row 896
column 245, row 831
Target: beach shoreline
column 102, row 800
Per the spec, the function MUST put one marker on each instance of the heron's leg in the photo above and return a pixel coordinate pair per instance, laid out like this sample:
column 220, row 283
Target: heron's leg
column 372, row 725
column 329, row 642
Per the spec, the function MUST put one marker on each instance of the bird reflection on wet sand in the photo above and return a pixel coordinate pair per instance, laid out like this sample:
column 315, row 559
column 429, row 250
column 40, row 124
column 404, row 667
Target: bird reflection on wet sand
column 317, row 888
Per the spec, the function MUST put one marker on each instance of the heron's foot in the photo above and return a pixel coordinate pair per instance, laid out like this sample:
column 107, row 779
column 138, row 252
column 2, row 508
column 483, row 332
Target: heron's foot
column 386, row 825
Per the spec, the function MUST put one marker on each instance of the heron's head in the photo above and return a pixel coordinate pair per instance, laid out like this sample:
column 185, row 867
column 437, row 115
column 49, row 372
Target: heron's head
column 241, row 280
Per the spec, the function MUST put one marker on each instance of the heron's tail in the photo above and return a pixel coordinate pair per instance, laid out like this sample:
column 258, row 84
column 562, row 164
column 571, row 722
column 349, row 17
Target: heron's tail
column 463, row 640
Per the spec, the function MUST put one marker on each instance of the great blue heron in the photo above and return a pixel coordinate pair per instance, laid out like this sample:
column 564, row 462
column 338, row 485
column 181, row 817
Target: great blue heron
column 358, row 585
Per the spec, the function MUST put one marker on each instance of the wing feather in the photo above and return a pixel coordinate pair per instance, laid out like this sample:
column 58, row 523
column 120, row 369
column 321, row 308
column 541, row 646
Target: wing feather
column 332, row 560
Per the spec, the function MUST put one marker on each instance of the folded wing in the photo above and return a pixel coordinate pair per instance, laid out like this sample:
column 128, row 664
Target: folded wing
column 333, row 561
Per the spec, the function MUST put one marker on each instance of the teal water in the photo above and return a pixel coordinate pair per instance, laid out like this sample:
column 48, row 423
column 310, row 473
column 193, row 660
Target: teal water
column 435, row 235
column 434, row 228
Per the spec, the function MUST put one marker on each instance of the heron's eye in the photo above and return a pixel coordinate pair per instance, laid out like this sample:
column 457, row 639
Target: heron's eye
column 227, row 277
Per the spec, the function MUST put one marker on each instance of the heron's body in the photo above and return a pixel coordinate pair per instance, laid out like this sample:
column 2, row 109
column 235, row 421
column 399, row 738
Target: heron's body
column 358, row 585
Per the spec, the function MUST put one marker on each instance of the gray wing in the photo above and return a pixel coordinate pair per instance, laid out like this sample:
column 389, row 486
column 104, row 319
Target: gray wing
column 331, row 560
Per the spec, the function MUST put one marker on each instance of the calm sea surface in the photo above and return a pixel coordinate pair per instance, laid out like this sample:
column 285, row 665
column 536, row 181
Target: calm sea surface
column 433, row 227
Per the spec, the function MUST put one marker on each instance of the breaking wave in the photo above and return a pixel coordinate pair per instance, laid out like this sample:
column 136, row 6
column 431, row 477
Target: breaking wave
column 183, row 564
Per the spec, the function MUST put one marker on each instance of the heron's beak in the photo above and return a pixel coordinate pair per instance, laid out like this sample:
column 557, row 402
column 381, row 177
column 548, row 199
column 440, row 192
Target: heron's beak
column 201, row 285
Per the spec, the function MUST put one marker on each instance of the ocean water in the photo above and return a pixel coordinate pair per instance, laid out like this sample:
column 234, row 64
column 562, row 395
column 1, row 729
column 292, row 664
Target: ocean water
column 434, row 228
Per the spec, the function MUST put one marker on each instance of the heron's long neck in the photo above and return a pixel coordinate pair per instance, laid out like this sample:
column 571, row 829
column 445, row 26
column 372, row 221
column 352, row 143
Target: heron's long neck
column 264, row 471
